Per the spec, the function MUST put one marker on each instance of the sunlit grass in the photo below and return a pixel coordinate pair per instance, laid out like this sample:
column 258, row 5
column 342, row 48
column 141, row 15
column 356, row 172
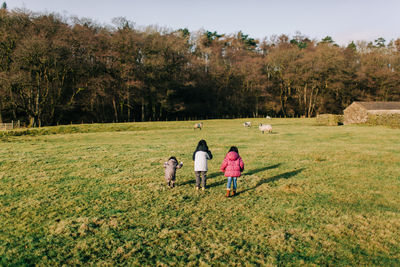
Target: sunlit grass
column 309, row 195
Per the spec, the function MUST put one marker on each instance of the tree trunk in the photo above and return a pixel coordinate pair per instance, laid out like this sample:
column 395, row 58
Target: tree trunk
column 36, row 111
column 153, row 111
column 143, row 109
column 310, row 103
column 121, row 106
column 305, row 100
column 31, row 121
column 13, row 104
column 314, row 102
column 129, row 107
column 256, row 107
column 34, row 121
column 115, row 110
column 283, row 104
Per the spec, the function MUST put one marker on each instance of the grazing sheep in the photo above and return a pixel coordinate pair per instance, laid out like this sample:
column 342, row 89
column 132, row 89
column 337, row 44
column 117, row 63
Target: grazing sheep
column 268, row 117
column 265, row 128
column 247, row 124
column 198, row 126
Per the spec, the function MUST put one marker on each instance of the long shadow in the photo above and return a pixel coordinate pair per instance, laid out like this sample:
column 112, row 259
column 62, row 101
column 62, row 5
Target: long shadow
column 193, row 181
column 214, row 174
column 218, row 174
column 217, row 183
column 251, row 172
column 285, row 175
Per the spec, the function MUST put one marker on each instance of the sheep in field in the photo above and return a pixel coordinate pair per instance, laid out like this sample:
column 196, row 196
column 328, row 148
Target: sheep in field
column 198, row 126
column 265, row 128
column 268, row 117
column 247, row 124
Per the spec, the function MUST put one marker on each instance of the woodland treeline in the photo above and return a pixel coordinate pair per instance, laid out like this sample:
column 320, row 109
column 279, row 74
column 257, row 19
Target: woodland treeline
column 57, row 70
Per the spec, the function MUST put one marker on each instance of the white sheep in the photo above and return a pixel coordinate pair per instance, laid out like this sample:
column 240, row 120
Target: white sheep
column 247, row 124
column 268, row 117
column 265, row 128
column 198, row 126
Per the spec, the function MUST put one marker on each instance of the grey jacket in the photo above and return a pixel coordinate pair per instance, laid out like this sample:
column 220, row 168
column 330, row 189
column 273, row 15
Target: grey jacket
column 200, row 160
column 170, row 169
column 201, row 155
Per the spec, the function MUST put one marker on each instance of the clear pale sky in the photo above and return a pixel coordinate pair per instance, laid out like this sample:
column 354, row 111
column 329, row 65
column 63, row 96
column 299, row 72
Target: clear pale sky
column 343, row 20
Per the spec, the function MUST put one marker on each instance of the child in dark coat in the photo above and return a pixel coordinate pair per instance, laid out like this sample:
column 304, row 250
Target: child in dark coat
column 232, row 166
column 170, row 171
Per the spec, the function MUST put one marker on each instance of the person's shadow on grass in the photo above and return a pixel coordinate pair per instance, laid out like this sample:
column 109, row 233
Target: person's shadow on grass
column 221, row 174
column 254, row 171
column 250, row 172
column 285, row 175
column 210, row 176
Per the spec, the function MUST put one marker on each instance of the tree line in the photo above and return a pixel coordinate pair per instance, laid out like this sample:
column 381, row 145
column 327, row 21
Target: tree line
column 57, row 70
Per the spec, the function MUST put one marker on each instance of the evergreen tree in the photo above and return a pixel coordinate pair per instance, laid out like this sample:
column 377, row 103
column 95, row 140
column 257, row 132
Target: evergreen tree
column 327, row 40
column 380, row 42
column 352, row 46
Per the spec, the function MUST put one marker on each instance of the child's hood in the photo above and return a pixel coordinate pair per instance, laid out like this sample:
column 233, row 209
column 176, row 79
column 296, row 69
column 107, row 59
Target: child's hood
column 232, row 156
column 172, row 162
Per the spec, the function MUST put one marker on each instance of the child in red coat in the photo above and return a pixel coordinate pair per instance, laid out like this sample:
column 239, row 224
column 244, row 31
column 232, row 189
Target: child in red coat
column 232, row 166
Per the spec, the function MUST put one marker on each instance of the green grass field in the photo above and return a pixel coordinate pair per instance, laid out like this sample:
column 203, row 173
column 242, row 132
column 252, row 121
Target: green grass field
column 309, row 195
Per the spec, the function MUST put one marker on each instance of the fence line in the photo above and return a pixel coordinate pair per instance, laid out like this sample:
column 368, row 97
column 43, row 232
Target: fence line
column 9, row 126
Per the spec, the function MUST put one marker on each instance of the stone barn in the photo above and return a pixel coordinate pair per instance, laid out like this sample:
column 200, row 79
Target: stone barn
column 358, row 112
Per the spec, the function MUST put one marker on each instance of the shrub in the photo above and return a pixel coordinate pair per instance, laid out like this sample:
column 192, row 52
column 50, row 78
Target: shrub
column 83, row 128
column 391, row 120
column 329, row 120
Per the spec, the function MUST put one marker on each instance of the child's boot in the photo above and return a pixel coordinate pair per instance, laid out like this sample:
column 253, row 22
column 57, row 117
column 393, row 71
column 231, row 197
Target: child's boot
column 233, row 192
column 227, row 192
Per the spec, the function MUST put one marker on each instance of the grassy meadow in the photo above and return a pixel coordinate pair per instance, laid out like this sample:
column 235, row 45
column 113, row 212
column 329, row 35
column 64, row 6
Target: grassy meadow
column 309, row 195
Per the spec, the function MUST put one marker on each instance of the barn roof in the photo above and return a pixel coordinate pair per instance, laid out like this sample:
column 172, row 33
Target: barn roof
column 380, row 105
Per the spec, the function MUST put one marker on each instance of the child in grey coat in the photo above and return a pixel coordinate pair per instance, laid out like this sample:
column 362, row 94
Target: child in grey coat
column 170, row 171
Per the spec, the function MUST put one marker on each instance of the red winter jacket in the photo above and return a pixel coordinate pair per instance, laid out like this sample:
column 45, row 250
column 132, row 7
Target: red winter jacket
column 232, row 165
